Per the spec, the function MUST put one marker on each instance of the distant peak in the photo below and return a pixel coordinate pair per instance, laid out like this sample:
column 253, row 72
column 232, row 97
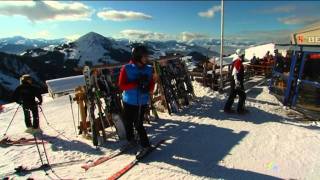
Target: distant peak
column 18, row 38
column 92, row 34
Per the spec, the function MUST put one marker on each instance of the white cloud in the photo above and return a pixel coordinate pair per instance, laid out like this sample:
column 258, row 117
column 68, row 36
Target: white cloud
column 47, row 10
column 144, row 35
column 16, row 3
column 148, row 35
column 187, row 36
column 115, row 15
column 210, row 12
column 298, row 20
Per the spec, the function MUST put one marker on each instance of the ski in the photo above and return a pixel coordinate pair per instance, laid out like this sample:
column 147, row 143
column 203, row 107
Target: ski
column 103, row 159
column 25, row 170
column 129, row 166
column 90, row 103
column 19, row 142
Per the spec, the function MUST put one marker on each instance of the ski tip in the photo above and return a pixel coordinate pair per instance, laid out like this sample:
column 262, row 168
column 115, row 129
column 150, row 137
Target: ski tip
column 85, row 167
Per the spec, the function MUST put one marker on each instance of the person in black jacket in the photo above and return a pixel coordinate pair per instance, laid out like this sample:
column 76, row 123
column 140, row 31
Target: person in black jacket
column 25, row 95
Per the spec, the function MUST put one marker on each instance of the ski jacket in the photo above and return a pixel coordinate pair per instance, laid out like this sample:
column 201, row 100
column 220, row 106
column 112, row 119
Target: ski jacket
column 25, row 94
column 238, row 71
column 128, row 82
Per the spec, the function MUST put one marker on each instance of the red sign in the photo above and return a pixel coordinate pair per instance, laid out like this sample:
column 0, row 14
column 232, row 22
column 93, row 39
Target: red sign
column 314, row 56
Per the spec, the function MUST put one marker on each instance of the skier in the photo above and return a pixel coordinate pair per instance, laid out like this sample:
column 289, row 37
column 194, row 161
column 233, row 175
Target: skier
column 279, row 62
column 236, row 85
column 136, row 81
column 25, row 95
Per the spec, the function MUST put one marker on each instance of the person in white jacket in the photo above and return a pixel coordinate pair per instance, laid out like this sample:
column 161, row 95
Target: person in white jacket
column 236, row 85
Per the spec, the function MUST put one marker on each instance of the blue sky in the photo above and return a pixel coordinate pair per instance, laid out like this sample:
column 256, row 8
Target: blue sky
column 180, row 20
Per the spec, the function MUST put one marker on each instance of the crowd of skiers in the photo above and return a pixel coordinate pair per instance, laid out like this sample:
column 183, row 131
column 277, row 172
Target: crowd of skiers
column 281, row 63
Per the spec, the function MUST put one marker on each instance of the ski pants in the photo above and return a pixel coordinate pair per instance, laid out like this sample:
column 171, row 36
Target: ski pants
column 35, row 116
column 233, row 93
column 131, row 119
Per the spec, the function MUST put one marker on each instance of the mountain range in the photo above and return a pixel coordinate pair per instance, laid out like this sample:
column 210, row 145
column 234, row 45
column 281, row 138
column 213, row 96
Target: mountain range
column 19, row 44
column 50, row 59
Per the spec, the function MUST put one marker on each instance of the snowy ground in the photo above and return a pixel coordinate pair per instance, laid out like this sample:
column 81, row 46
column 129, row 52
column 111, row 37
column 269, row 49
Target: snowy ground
column 202, row 143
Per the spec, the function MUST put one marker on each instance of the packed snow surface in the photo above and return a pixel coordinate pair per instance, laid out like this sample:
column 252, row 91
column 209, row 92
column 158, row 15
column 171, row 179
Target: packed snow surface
column 202, row 142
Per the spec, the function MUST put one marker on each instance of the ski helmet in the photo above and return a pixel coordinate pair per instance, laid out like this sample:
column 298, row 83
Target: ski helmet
column 138, row 52
column 239, row 52
column 24, row 78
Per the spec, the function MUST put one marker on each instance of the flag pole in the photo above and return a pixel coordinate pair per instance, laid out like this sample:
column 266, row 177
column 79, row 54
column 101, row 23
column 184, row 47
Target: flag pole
column 221, row 47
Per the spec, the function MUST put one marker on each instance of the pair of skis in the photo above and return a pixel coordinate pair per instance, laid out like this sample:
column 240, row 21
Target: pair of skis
column 125, row 169
column 138, row 158
column 100, row 160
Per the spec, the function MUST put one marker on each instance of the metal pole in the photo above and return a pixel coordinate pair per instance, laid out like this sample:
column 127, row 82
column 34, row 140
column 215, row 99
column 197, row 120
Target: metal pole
column 5, row 133
column 74, row 123
column 221, row 47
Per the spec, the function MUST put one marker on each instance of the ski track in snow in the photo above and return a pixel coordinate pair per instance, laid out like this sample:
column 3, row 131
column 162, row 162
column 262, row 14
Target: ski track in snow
column 202, row 143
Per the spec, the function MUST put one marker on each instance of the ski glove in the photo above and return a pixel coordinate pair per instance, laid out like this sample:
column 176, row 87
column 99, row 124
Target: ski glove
column 143, row 83
column 237, row 84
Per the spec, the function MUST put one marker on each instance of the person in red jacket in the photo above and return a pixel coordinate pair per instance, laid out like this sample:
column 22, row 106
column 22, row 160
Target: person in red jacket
column 136, row 81
column 236, row 85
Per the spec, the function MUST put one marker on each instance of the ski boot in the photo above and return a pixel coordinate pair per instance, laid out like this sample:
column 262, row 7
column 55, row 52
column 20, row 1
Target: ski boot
column 144, row 151
column 229, row 111
column 243, row 112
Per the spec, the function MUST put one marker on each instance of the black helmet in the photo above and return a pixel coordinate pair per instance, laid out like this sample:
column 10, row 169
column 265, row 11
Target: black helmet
column 24, row 78
column 138, row 52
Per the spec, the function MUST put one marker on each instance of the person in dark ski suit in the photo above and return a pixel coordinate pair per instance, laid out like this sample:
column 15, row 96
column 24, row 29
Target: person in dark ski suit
column 236, row 85
column 136, row 81
column 25, row 95
column 279, row 62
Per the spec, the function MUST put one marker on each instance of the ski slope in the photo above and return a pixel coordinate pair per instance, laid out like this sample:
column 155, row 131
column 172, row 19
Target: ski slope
column 202, row 143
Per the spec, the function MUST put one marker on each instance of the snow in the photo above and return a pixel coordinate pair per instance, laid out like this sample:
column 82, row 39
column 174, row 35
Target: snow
column 49, row 48
column 21, row 42
column 202, row 143
column 65, row 84
column 90, row 47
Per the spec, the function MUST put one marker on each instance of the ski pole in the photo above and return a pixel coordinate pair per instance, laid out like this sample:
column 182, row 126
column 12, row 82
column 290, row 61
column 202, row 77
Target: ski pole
column 78, row 116
column 11, row 121
column 74, row 123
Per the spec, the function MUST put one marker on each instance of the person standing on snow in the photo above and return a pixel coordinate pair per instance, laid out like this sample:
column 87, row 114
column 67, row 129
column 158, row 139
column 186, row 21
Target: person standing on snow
column 236, row 85
column 25, row 95
column 136, row 81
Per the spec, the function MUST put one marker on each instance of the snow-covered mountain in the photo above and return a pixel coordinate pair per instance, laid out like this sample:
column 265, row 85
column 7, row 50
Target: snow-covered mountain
column 91, row 49
column 19, row 44
column 11, row 68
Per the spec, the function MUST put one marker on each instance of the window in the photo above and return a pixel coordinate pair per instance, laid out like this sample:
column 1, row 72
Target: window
column 311, row 68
